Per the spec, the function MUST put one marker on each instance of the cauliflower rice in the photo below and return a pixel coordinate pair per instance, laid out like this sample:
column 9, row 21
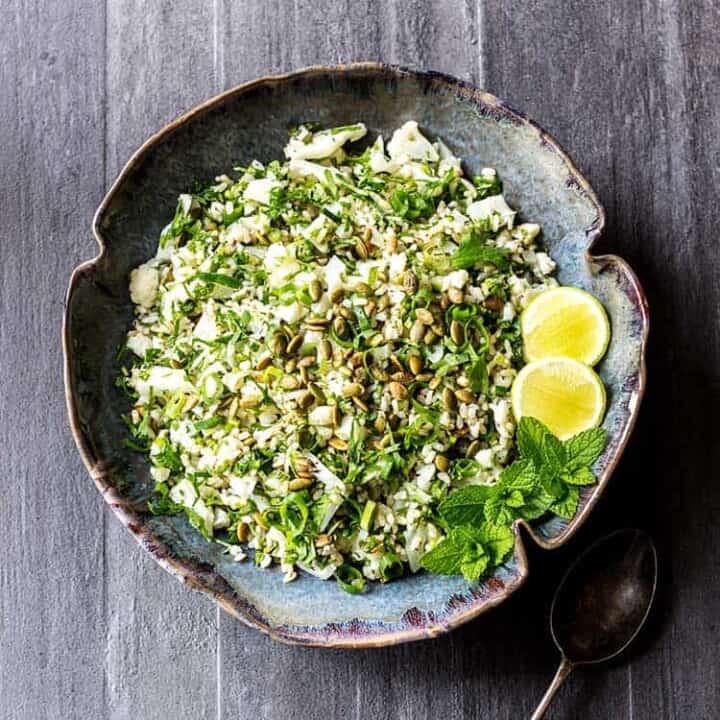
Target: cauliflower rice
column 323, row 349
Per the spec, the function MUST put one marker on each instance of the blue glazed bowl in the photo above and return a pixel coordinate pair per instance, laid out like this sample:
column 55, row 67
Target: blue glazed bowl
column 249, row 122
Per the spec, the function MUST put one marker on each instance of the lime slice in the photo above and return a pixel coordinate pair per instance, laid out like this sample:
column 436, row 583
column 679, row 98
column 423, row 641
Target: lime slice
column 564, row 394
column 565, row 322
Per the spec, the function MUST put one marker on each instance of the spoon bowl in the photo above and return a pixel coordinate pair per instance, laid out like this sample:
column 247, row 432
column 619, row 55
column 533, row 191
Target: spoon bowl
column 601, row 603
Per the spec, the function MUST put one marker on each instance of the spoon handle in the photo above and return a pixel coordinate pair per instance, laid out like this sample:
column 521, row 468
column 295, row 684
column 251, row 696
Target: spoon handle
column 566, row 667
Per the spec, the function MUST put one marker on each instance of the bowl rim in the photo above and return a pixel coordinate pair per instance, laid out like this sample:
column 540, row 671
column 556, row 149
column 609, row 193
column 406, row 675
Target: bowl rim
column 207, row 580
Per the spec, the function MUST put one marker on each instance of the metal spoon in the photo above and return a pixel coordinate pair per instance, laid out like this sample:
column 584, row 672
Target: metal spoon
column 601, row 603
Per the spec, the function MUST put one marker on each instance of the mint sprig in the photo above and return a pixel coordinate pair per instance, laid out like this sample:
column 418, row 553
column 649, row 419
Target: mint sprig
column 545, row 479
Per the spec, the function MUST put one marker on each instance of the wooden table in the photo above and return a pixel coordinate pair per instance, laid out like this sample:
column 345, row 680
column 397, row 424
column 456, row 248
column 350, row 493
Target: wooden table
column 90, row 627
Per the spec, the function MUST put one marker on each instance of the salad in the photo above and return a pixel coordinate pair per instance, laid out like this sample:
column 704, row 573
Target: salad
column 322, row 359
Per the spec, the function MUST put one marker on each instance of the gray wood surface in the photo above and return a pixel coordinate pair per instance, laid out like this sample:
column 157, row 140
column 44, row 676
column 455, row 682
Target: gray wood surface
column 89, row 627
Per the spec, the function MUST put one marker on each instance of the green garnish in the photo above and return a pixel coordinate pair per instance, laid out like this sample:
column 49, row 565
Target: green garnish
column 321, row 357
column 543, row 480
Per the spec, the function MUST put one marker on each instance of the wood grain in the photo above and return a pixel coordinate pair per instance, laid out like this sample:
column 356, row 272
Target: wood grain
column 52, row 626
column 89, row 627
column 162, row 639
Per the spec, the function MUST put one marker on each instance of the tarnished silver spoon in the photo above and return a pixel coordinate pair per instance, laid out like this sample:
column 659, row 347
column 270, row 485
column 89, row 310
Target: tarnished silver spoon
column 601, row 603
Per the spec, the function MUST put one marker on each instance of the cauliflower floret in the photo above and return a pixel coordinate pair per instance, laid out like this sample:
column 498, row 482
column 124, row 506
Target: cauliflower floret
column 144, row 281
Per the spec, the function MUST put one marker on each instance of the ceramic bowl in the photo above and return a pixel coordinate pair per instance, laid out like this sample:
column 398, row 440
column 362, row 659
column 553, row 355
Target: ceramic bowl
column 252, row 121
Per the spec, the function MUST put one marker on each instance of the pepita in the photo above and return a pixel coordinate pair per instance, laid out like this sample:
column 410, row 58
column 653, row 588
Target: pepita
column 449, row 399
column 457, row 332
column 398, row 390
column 415, row 362
column 294, row 345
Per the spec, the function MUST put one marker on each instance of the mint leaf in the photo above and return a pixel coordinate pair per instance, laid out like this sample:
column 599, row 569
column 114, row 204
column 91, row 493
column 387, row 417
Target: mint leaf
column 498, row 541
column 473, row 568
column 446, row 557
column 536, row 505
column 553, row 454
column 497, row 512
column 581, row 476
column 583, row 449
column 474, row 250
column 567, row 506
column 518, row 476
column 530, row 434
column 465, row 506
column 515, row 499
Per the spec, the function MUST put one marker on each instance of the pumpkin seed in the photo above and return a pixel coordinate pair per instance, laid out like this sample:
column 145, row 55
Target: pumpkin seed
column 362, row 288
column 294, row 345
column 456, row 296
column 233, row 408
column 352, row 390
column 417, row 332
column 473, row 449
column 380, row 423
column 307, row 361
column 306, row 400
column 322, row 540
column 337, row 295
column 316, row 290
column 336, row 415
column 337, row 443
column 290, row 365
column 442, row 463
column 410, row 282
column 317, row 393
column 449, row 399
column 325, row 350
column 300, row 484
column 424, row 316
column 250, row 402
column 301, row 464
column 360, row 404
column 494, row 303
column 263, row 362
column 278, row 344
column 465, row 396
column 415, row 363
column 457, row 332
column 398, row 390
column 380, row 375
column 242, row 532
column 361, row 249
column 396, row 363
column 317, row 323
column 340, row 327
